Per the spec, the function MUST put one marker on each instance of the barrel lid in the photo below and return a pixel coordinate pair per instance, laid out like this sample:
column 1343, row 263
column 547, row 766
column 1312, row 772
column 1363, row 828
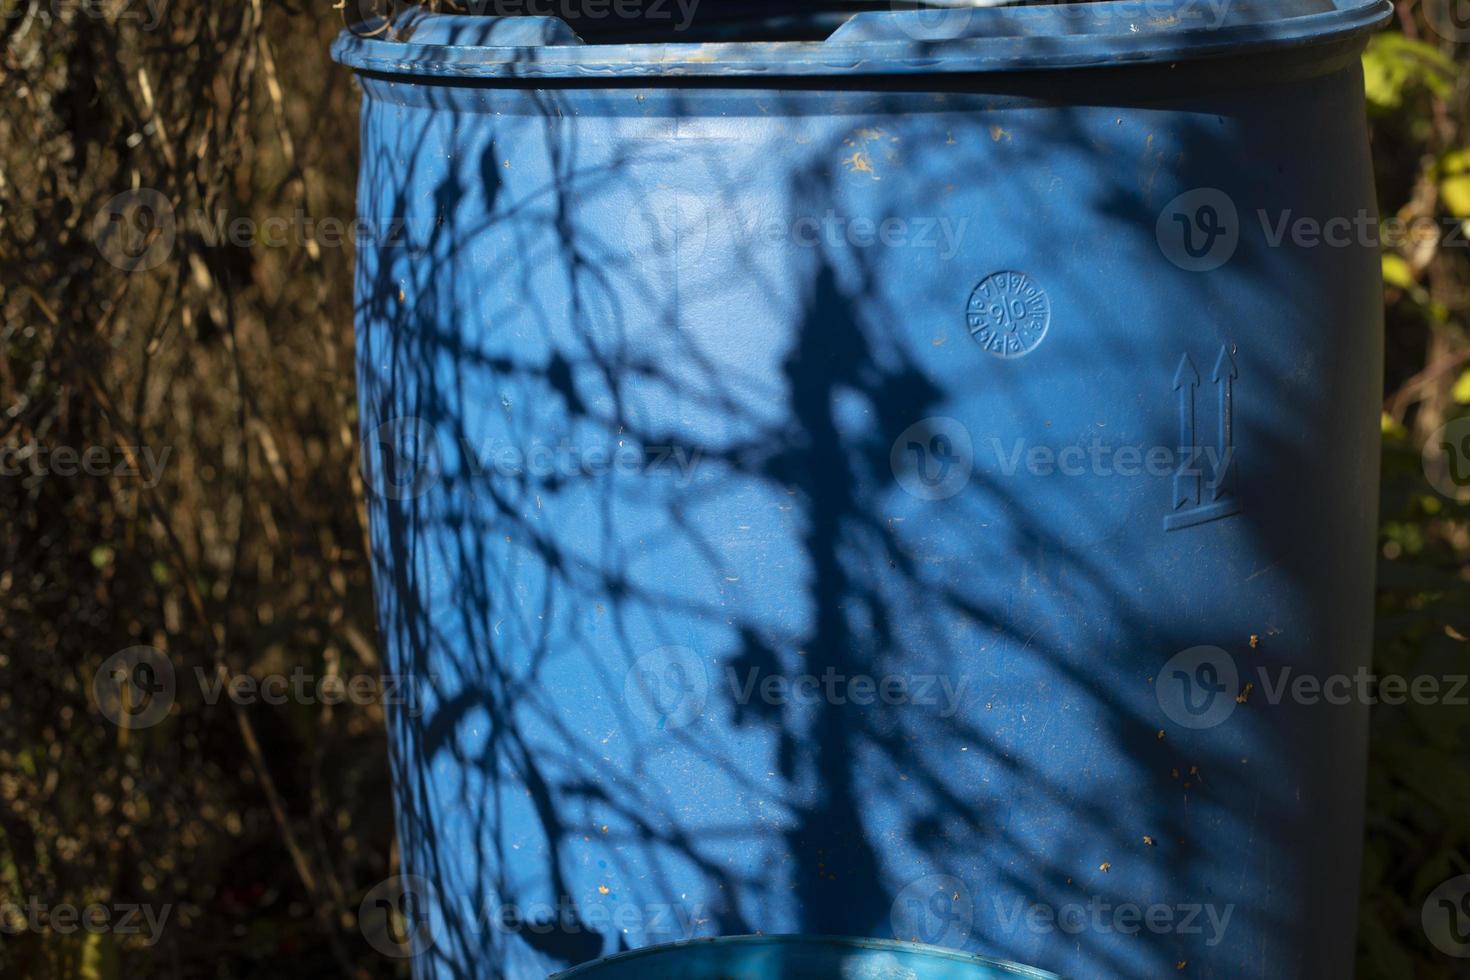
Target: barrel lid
column 960, row 36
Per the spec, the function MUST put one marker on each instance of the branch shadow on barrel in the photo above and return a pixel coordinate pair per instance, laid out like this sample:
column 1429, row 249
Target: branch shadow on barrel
column 610, row 742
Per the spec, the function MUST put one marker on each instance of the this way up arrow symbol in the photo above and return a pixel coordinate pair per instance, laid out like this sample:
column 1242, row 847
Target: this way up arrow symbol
column 1224, row 378
column 1187, row 479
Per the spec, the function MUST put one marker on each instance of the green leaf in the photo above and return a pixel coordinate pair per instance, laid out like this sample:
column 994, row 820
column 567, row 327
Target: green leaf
column 99, row 958
column 1455, row 162
column 1455, row 192
column 1461, row 390
column 1454, row 182
column 1394, row 65
column 1396, row 272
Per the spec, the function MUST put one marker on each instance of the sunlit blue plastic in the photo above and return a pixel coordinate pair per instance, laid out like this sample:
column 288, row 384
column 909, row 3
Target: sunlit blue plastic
column 523, row 284
column 799, row 958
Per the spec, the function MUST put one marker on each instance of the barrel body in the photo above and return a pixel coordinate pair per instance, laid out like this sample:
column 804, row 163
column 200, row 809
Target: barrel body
column 877, row 508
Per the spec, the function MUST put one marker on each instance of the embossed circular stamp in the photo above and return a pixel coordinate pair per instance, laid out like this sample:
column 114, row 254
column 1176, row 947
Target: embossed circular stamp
column 1008, row 314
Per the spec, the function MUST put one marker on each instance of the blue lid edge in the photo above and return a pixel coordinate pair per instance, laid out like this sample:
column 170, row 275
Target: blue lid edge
column 1036, row 50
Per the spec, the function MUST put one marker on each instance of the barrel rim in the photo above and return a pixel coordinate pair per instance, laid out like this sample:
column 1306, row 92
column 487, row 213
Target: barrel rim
column 937, row 952
column 1041, row 44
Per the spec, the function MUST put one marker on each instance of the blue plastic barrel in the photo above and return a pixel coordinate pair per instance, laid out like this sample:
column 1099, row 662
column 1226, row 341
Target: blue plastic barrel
column 879, row 475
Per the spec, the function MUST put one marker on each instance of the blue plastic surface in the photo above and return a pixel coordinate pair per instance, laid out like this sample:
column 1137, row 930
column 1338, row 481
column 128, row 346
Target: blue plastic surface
column 664, row 429
column 798, row 958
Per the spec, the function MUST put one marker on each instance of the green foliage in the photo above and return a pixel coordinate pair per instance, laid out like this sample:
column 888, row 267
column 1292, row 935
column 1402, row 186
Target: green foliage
column 248, row 551
column 1418, row 820
column 1396, row 67
column 1418, row 790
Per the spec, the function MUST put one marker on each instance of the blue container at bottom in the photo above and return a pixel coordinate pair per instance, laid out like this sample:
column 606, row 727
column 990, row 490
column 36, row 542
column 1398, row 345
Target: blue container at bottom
column 799, row 958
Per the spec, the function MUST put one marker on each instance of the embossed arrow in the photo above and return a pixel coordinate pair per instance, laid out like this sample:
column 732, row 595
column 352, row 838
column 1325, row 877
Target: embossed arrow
column 1224, row 378
column 1186, row 380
